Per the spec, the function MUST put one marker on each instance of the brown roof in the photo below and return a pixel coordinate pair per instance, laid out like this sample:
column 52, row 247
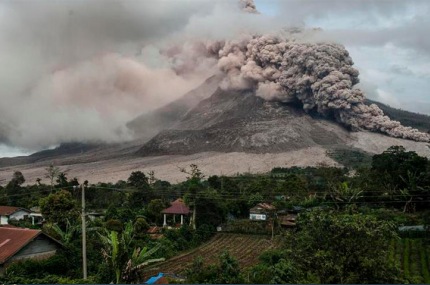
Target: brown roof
column 154, row 230
column 178, row 207
column 288, row 220
column 7, row 210
column 14, row 239
column 262, row 208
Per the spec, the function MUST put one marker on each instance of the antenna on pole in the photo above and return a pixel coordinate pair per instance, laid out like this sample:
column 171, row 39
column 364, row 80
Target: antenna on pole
column 84, row 234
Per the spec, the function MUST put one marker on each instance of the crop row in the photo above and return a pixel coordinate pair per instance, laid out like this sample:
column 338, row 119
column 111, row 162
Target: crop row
column 412, row 256
column 245, row 248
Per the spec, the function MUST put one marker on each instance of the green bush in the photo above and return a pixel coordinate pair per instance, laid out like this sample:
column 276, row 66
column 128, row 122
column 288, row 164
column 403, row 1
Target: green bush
column 114, row 225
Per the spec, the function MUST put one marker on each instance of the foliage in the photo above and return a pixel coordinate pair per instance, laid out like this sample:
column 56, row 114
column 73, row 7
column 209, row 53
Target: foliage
column 119, row 255
column 343, row 248
column 52, row 172
column 227, row 271
column 351, row 158
column 28, row 270
column 59, row 207
column 143, row 193
column 153, row 211
column 140, row 227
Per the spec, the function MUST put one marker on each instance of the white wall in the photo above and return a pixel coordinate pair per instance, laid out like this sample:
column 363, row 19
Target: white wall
column 258, row 217
column 3, row 220
column 19, row 215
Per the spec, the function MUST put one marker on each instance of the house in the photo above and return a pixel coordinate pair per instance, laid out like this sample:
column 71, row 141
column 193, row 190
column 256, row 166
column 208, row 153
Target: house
column 8, row 213
column 261, row 212
column 177, row 207
column 20, row 243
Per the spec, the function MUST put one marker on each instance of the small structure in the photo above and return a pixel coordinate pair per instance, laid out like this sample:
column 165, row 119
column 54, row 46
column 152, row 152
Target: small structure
column 95, row 215
column 8, row 213
column 154, row 232
column 261, row 211
column 177, row 207
column 19, row 243
column 288, row 220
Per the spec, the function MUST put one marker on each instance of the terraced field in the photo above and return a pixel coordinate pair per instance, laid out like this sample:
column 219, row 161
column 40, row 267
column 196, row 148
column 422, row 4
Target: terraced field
column 245, row 248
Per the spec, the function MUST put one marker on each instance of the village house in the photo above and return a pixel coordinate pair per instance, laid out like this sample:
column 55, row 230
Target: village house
column 20, row 243
column 8, row 213
column 261, row 212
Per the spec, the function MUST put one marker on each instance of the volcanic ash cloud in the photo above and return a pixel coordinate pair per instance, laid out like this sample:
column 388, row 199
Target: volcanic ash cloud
column 248, row 6
column 319, row 75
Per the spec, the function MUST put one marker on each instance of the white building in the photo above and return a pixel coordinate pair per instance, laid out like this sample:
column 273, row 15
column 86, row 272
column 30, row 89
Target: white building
column 8, row 213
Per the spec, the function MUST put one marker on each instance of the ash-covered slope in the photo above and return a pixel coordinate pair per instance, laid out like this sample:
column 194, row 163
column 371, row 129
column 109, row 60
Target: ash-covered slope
column 149, row 124
column 239, row 121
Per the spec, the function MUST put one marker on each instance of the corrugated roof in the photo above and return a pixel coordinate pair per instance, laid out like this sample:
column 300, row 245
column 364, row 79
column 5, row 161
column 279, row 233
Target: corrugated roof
column 8, row 210
column 14, row 239
column 178, row 208
column 262, row 208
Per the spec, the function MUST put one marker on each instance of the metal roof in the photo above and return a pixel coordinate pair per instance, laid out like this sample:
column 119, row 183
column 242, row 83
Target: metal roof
column 13, row 240
column 8, row 210
column 178, row 208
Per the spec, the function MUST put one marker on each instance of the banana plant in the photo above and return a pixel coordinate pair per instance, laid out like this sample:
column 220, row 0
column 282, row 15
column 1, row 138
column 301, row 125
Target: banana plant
column 117, row 254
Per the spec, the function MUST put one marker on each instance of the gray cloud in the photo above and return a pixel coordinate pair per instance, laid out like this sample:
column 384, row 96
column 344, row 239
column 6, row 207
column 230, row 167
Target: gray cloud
column 79, row 70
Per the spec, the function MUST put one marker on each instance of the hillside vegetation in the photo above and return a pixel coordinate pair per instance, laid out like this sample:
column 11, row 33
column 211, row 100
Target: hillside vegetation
column 407, row 118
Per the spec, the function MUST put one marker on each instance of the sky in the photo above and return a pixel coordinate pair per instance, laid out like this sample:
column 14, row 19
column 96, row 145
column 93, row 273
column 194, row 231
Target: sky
column 79, row 70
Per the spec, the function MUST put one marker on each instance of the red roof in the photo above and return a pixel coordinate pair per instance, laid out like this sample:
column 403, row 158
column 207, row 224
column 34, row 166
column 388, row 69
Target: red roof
column 14, row 239
column 7, row 210
column 178, row 208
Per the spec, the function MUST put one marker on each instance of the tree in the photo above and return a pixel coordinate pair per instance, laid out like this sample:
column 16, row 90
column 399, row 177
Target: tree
column 139, row 181
column 404, row 174
column 153, row 211
column 194, row 186
column 342, row 194
column 59, row 207
column 17, row 179
column 14, row 191
column 343, row 248
column 62, row 179
column 51, row 173
column 393, row 165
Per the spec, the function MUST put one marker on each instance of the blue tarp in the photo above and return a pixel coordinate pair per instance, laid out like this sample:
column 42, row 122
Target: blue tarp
column 154, row 279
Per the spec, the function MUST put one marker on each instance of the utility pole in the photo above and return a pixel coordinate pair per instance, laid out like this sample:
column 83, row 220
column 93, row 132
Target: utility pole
column 84, row 235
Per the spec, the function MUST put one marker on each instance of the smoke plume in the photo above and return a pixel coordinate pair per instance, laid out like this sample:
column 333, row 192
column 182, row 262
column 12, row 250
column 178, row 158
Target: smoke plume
column 248, row 6
column 318, row 75
column 80, row 70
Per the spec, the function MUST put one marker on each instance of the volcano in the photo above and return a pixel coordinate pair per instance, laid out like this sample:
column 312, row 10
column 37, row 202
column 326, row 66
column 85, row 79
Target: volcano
column 224, row 132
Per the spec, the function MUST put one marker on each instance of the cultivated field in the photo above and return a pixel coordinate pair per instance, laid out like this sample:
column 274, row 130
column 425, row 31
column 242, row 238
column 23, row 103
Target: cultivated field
column 245, row 248
column 413, row 258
